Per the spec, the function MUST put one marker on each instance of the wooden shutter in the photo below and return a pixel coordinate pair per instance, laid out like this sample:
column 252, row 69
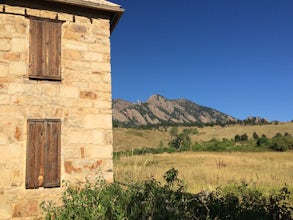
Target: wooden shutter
column 36, row 56
column 45, row 49
column 43, row 153
column 52, row 153
column 35, row 153
column 53, row 49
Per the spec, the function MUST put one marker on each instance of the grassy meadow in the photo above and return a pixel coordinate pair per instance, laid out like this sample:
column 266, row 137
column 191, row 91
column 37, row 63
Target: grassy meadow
column 205, row 170
column 208, row 170
column 129, row 139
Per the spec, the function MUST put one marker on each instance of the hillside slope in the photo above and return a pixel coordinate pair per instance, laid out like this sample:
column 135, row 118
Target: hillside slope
column 158, row 109
column 130, row 138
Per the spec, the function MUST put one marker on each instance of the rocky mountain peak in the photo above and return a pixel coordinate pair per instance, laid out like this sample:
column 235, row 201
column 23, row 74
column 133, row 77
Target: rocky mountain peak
column 158, row 109
column 156, row 99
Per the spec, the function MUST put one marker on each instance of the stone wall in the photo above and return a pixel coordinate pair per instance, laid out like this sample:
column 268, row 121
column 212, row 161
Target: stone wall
column 82, row 101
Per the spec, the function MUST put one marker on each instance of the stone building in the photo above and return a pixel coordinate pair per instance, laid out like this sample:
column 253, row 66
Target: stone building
column 55, row 99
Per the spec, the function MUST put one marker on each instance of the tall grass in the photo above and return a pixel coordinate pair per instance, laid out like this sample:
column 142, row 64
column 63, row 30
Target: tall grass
column 206, row 170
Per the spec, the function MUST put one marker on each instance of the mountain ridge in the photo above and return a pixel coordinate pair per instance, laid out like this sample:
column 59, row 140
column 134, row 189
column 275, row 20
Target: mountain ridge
column 160, row 110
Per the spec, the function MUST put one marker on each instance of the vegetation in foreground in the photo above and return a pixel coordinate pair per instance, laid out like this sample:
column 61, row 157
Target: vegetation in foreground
column 154, row 200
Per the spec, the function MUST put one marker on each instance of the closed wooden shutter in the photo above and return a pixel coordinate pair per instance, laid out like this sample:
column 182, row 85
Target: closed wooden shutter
column 43, row 153
column 36, row 56
column 52, row 154
column 53, row 49
column 45, row 49
column 35, row 153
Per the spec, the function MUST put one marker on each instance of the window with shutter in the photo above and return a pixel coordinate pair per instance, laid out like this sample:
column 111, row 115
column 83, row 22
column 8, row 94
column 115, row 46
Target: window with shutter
column 45, row 49
column 43, row 153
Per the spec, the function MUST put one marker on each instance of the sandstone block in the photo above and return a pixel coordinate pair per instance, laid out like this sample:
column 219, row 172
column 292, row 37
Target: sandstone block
column 34, row 112
column 101, row 86
column 69, row 92
column 5, row 209
column 79, row 137
column 88, row 95
column 102, row 77
column 103, row 104
column 15, row 152
column 18, row 68
column 26, row 209
column 93, row 57
column 89, row 39
column 72, row 167
column 69, row 35
column 74, row 45
column 65, row 17
column 78, row 28
column 3, row 139
column 73, row 122
column 15, row 88
column 19, row 44
column 4, row 69
column 85, row 104
column 72, row 55
column 33, row 12
column 81, row 84
column 82, row 20
column 21, row 27
column 5, row 173
column 48, row 14
column 4, row 99
column 101, row 67
column 28, row 90
column 51, row 90
column 5, row 44
column 98, row 137
column 98, row 121
column 100, row 47
column 100, row 152
column 12, row 56
column 104, row 32
column 16, row 177
column 12, row 9
column 76, row 65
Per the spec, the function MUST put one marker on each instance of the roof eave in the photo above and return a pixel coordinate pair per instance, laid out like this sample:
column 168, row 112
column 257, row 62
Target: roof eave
column 116, row 12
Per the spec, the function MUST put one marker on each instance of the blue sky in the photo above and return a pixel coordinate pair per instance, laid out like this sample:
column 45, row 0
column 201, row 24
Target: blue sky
column 232, row 55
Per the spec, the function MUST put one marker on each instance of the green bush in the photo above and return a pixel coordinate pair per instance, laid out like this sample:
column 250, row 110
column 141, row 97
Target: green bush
column 216, row 145
column 154, row 200
column 263, row 141
column 243, row 137
column 282, row 142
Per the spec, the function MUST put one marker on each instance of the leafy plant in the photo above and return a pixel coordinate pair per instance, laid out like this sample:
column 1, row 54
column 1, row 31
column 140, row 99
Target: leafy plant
column 282, row 142
column 154, row 200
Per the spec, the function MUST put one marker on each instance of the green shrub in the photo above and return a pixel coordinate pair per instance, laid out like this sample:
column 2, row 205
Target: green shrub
column 263, row 141
column 216, row 145
column 154, row 200
column 243, row 137
column 282, row 142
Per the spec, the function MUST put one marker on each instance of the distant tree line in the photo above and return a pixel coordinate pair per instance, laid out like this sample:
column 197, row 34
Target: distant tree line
column 248, row 121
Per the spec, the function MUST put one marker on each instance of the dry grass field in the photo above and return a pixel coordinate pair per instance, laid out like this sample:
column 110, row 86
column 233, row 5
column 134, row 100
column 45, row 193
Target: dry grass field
column 205, row 170
column 129, row 139
column 208, row 170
